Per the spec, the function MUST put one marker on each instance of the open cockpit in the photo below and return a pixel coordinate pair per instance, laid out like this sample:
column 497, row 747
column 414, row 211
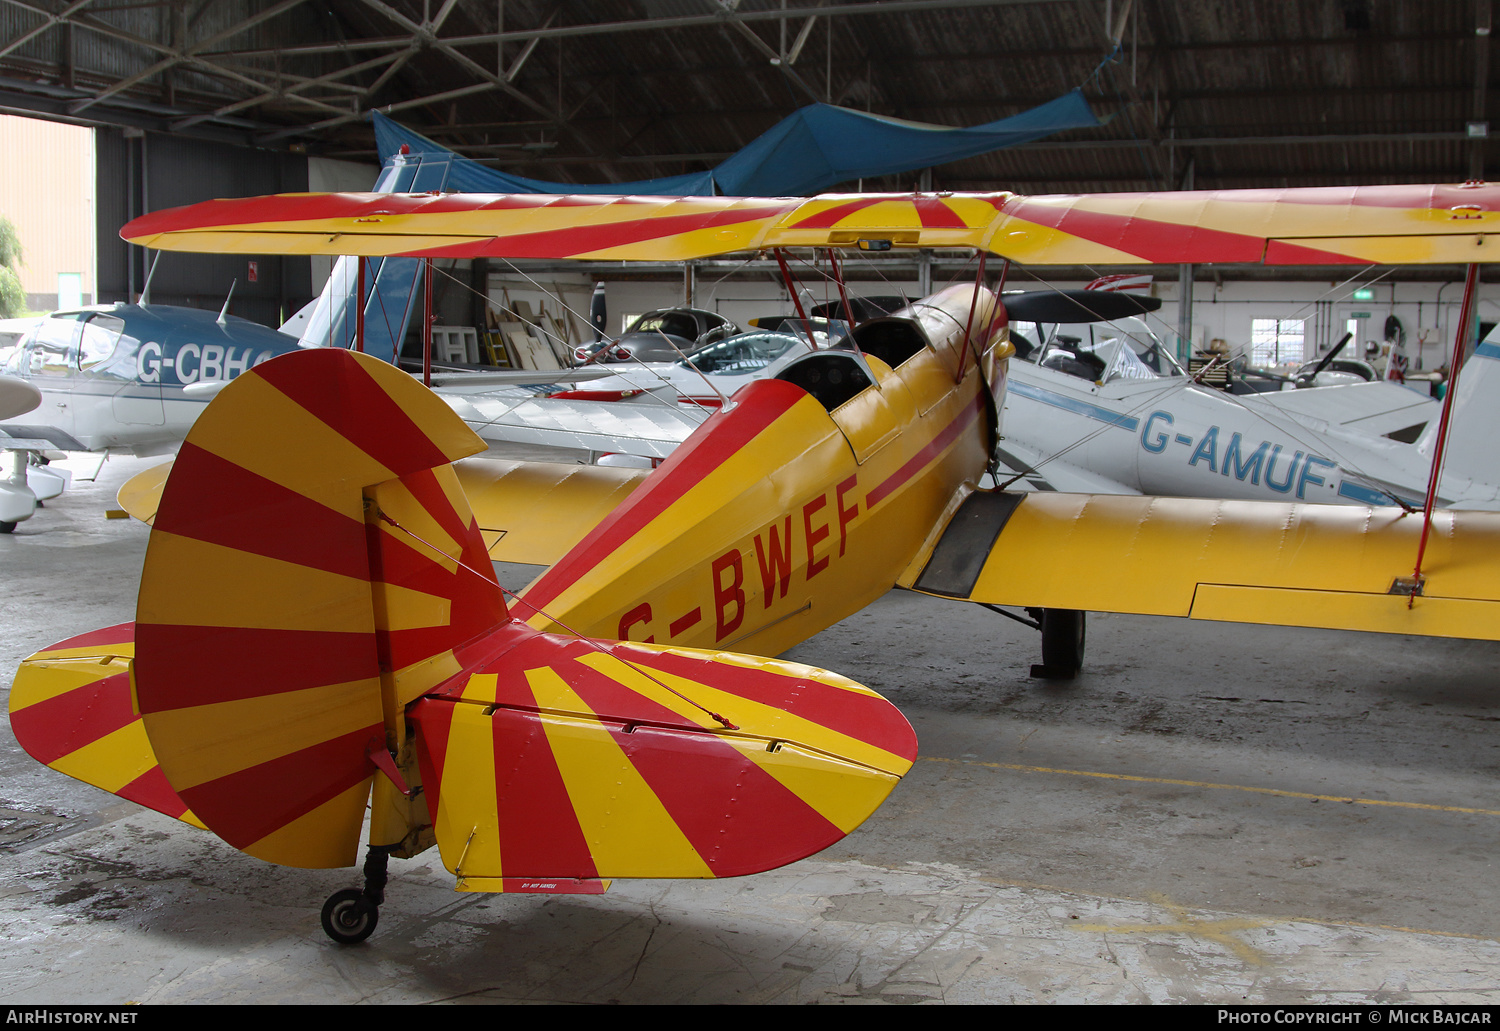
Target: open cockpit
column 839, row 373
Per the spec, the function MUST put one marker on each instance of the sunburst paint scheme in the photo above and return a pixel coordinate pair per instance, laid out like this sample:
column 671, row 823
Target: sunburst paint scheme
column 319, row 633
column 731, row 542
column 1321, row 225
column 361, row 580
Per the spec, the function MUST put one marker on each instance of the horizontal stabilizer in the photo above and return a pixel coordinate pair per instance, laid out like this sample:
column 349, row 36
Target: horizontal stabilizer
column 70, row 709
column 584, row 760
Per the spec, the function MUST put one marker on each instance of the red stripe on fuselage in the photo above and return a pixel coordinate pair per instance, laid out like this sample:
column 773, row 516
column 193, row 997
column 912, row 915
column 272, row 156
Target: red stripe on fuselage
column 757, row 407
column 918, row 461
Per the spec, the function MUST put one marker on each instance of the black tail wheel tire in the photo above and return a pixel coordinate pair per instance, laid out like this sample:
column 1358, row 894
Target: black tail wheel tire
column 349, row 917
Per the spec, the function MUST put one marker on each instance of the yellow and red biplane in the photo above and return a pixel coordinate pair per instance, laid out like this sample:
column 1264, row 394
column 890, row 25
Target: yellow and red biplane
column 318, row 602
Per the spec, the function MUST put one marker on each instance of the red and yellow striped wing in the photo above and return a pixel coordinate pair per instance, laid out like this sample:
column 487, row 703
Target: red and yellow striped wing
column 574, row 760
column 1323, row 225
column 70, row 709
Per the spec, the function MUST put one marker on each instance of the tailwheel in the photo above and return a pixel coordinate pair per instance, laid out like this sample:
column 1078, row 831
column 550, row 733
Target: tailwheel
column 1063, row 634
column 349, row 917
column 7, row 527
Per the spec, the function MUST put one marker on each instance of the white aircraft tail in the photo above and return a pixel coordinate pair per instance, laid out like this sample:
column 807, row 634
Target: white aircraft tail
column 1472, row 450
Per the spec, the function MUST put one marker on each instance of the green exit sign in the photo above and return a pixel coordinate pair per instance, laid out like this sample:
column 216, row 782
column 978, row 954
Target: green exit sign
column 1359, row 315
column 1364, row 295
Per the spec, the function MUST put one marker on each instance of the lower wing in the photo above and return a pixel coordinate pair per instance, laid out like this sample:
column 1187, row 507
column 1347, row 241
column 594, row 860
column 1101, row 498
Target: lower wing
column 1340, row 567
column 528, row 512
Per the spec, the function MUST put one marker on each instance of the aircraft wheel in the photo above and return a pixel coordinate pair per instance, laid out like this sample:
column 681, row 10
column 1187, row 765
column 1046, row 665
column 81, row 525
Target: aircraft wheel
column 7, row 527
column 349, row 917
column 1063, row 634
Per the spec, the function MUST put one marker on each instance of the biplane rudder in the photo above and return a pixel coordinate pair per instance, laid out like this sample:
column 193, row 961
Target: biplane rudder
column 312, row 565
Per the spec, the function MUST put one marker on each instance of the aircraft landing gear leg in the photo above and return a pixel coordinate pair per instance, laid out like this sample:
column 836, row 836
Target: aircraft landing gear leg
column 350, row 916
column 1063, row 632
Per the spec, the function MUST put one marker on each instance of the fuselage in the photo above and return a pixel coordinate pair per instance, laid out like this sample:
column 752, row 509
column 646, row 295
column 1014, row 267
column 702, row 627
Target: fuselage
column 799, row 502
column 130, row 377
column 1129, row 429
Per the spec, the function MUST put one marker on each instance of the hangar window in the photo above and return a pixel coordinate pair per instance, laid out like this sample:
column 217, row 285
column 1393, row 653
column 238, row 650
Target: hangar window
column 1276, row 341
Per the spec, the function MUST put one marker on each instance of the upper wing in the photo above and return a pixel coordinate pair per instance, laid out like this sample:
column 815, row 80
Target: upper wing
column 1241, row 561
column 1322, row 225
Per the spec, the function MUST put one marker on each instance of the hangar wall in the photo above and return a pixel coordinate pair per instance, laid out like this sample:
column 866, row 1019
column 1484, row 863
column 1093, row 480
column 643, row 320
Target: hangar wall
column 139, row 172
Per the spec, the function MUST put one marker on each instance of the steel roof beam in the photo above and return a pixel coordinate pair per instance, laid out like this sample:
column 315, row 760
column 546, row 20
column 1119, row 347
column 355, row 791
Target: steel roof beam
column 189, row 54
column 683, row 21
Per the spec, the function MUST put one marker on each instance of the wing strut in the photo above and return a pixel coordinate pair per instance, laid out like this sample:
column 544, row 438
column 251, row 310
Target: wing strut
column 969, row 325
column 791, row 288
column 1460, row 341
column 359, row 310
column 426, row 323
column 838, row 277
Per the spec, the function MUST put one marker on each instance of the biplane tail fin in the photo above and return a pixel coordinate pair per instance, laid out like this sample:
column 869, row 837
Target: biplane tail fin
column 312, row 565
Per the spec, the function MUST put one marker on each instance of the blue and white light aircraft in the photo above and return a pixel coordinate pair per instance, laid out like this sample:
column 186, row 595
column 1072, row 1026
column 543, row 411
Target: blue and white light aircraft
column 1100, row 407
column 126, row 377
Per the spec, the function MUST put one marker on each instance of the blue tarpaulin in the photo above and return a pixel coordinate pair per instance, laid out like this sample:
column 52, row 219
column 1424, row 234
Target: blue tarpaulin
column 813, row 149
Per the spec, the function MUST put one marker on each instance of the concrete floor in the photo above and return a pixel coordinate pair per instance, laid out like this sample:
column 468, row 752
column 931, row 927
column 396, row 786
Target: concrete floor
column 1210, row 813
